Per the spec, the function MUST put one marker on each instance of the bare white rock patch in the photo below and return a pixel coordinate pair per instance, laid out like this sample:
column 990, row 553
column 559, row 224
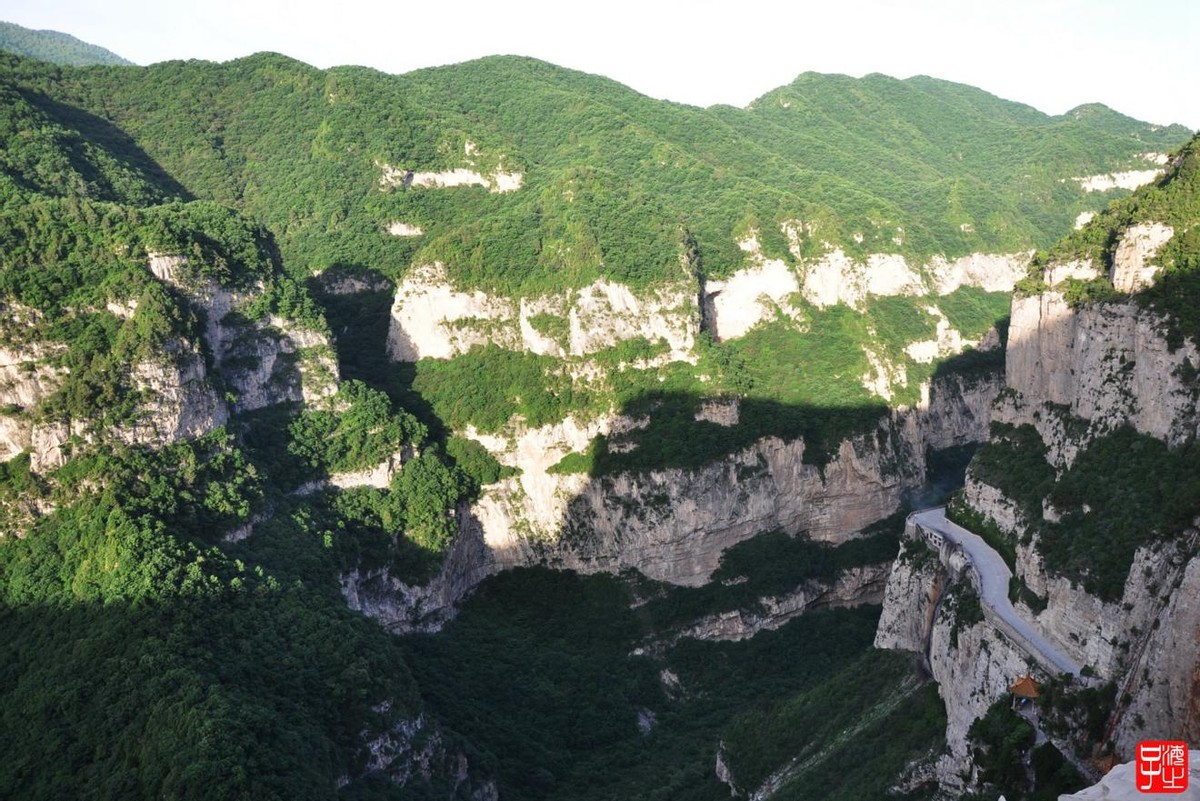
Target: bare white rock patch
column 836, row 278
column 1131, row 268
column 123, row 309
column 427, row 317
column 404, row 229
column 499, row 181
column 535, row 496
column 883, row 375
column 751, row 295
column 991, row 272
column 433, row 319
column 948, row 341
column 1082, row 270
column 605, row 313
column 1128, row 179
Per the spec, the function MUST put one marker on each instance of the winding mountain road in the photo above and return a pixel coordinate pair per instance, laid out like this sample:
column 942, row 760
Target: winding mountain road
column 994, row 577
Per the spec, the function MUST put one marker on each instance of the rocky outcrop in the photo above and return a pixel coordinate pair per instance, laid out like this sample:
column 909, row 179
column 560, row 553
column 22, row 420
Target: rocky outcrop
column 26, row 378
column 276, row 362
column 263, row 362
column 674, row 524
column 1107, row 364
column 431, row 319
column 1164, row 680
column 1121, row 784
column 412, row 606
column 1139, row 244
column 743, row 300
column 994, row 272
column 498, row 181
column 1126, row 179
column 377, row 476
column 404, row 229
column 973, row 664
column 855, row 586
column 178, row 402
column 413, row 750
column 605, row 313
column 993, row 504
column 836, row 278
column 1074, row 375
column 955, row 411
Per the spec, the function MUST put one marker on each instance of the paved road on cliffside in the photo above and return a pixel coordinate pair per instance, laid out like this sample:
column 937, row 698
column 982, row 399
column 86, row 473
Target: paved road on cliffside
column 994, row 577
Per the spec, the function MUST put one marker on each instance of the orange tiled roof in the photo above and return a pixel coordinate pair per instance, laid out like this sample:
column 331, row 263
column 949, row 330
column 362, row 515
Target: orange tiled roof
column 1024, row 687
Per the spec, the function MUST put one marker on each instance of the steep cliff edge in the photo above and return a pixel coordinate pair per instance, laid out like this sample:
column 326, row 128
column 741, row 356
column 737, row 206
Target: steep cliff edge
column 932, row 609
column 1088, row 482
column 675, row 524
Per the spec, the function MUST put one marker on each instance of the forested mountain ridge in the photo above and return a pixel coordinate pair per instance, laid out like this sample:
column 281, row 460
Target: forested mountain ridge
column 223, row 423
column 866, row 157
column 55, row 47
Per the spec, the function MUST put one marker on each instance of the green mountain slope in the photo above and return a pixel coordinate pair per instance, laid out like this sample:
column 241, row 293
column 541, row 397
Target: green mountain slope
column 864, row 157
column 55, row 47
column 152, row 647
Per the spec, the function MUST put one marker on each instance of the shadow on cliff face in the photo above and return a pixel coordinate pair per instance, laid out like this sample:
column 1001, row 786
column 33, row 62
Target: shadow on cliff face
column 357, row 302
column 679, row 435
column 753, row 464
column 682, row 477
column 685, row 430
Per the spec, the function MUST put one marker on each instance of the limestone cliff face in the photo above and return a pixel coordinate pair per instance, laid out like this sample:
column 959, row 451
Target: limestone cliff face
column 433, row 319
column 403, row 607
column 972, row 664
column 1074, row 375
column 958, row 411
column 674, row 524
column 1146, row 641
column 26, row 378
column 182, row 392
column 973, row 667
column 181, row 402
column 262, row 362
column 856, row 586
column 1107, row 636
column 1109, row 365
column 1166, row 694
column 415, row 750
column 276, row 362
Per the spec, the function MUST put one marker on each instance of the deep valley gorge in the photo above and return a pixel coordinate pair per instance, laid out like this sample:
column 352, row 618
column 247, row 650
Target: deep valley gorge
column 493, row 431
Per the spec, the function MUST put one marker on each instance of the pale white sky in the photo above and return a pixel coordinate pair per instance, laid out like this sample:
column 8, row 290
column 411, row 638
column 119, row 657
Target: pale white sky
column 1141, row 57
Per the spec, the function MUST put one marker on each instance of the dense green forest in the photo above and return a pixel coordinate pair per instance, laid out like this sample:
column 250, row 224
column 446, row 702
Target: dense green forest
column 611, row 178
column 54, row 46
column 172, row 616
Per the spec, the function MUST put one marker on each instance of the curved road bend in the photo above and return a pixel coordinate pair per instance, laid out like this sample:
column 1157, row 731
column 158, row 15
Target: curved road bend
column 994, row 577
